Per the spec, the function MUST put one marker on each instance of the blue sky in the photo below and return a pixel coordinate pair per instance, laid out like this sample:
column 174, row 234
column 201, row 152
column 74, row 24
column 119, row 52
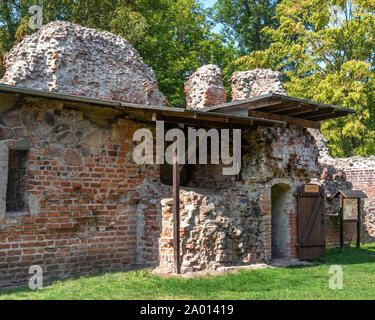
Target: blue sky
column 208, row 3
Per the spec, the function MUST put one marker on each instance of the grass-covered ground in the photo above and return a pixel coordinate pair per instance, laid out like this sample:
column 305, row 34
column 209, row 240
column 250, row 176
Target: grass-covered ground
column 289, row 283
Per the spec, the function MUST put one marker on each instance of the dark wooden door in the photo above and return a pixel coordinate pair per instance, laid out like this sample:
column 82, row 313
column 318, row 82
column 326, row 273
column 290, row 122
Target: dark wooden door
column 311, row 231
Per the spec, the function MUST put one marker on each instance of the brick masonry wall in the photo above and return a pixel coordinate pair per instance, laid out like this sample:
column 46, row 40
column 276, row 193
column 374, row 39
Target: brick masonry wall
column 364, row 179
column 89, row 207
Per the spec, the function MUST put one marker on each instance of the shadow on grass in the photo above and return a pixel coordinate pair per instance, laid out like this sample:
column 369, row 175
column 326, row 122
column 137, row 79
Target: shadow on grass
column 53, row 280
column 349, row 255
column 258, row 281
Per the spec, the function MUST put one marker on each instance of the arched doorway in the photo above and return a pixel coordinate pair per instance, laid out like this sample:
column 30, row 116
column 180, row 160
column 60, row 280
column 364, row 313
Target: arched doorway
column 280, row 195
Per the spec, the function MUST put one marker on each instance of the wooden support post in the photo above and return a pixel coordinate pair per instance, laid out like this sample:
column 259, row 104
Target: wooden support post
column 359, row 225
column 176, row 213
column 341, row 222
column 341, row 229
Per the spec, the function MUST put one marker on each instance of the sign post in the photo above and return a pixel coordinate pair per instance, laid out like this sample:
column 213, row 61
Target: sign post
column 350, row 211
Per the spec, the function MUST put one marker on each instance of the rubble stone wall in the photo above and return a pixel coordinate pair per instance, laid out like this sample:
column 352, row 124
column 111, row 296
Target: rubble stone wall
column 226, row 221
column 68, row 58
column 247, row 84
column 204, row 88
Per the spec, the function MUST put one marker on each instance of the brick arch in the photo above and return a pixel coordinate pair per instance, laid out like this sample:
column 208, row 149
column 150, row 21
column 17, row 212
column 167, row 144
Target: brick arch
column 266, row 207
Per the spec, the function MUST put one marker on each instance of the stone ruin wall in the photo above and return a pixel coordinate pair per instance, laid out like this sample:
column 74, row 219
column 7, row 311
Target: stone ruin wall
column 226, row 221
column 346, row 173
column 89, row 207
column 68, row 58
column 69, row 229
column 205, row 88
column 248, row 84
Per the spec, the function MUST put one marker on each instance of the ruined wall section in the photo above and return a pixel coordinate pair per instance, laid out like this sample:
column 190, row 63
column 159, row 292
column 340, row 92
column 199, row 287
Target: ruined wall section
column 89, row 207
column 248, row 84
column 346, row 173
column 204, row 88
column 226, row 221
column 217, row 230
column 68, row 58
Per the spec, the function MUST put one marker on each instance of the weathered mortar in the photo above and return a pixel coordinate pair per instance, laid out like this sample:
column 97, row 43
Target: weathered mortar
column 214, row 234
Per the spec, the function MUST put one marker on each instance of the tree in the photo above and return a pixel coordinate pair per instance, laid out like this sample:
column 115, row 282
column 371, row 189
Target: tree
column 173, row 36
column 178, row 41
column 326, row 51
column 243, row 21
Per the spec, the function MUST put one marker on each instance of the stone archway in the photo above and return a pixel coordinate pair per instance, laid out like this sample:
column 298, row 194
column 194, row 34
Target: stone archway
column 287, row 231
column 280, row 238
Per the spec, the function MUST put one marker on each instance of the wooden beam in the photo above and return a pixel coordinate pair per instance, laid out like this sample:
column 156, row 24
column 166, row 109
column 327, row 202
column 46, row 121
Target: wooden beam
column 333, row 115
column 341, row 222
column 284, row 104
column 253, row 104
column 263, row 104
column 359, row 223
column 299, row 122
column 317, row 113
column 286, row 108
column 203, row 124
column 306, row 109
column 176, row 213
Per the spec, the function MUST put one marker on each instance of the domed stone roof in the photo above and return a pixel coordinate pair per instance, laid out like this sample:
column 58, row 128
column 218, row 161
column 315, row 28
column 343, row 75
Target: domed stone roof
column 67, row 58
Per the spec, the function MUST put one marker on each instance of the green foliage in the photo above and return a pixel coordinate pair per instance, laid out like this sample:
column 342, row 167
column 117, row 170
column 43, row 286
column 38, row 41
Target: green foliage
column 173, row 36
column 178, row 41
column 326, row 51
column 129, row 24
column 243, row 21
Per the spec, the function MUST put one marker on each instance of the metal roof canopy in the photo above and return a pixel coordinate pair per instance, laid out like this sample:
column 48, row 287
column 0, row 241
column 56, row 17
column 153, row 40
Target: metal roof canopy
column 270, row 109
column 152, row 113
column 354, row 194
column 275, row 106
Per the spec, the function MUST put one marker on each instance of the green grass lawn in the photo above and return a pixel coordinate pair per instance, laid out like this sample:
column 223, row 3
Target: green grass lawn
column 298, row 282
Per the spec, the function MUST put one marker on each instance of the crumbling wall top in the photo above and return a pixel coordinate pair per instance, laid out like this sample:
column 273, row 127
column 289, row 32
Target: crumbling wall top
column 204, row 88
column 68, row 58
column 247, row 84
